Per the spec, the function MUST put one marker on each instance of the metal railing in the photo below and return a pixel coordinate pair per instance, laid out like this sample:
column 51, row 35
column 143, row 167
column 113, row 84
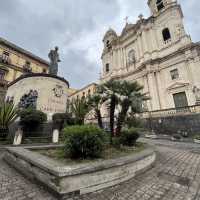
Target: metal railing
column 172, row 112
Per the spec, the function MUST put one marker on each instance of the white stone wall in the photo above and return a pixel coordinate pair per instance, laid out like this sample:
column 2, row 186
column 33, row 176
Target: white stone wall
column 47, row 100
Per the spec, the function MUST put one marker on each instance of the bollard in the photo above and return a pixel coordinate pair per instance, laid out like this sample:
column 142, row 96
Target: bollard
column 55, row 138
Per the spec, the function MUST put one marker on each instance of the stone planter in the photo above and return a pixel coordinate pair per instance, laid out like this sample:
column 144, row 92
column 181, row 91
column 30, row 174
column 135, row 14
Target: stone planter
column 72, row 180
column 197, row 141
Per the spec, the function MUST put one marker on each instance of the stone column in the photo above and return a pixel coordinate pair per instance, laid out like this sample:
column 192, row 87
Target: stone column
column 18, row 137
column 153, row 91
column 144, row 41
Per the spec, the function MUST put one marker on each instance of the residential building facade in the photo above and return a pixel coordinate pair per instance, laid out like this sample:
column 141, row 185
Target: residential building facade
column 15, row 61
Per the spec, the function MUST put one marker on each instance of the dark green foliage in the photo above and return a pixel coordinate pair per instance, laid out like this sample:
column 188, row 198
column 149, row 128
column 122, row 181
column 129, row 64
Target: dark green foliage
column 62, row 119
column 8, row 114
column 30, row 119
column 84, row 141
column 79, row 109
column 129, row 137
column 133, row 121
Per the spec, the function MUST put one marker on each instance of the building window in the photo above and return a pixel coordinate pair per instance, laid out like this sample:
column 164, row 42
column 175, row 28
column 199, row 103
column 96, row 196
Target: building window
column 160, row 4
column 44, row 71
column 180, row 100
column 166, row 34
column 131, row 57
column 89, row 92
column 2, row 74
column 5, row 57
column 107, row 67
column 174, row 74
column 27, row 67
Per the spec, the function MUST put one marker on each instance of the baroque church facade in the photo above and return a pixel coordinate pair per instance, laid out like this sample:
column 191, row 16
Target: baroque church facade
column 158, row 54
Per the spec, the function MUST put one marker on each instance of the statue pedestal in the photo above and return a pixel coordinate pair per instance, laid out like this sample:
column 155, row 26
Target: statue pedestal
column 52, row 92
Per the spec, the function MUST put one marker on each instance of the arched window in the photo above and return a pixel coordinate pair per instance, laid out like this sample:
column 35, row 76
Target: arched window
column 166, row 34
column 160, row 4
column 107, row 67
column 131, row 57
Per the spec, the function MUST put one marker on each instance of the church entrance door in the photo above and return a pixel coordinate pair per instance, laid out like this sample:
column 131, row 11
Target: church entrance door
column 180, row 100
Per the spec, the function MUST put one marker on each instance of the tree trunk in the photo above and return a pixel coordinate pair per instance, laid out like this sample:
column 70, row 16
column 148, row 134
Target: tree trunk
column 112, row 114
column 99, row 118
column 122, row 116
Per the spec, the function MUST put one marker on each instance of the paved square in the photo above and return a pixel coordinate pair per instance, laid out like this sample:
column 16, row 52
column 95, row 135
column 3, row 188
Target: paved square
column 175, row 176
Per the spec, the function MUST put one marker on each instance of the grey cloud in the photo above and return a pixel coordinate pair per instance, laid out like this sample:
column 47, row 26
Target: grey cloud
column 38, row 25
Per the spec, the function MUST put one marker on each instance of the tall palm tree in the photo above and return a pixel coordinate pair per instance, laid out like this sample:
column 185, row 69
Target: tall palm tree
column 130, row 97
column 79, row 109
column 95, row 101
column 109, row 92
column 8, row 114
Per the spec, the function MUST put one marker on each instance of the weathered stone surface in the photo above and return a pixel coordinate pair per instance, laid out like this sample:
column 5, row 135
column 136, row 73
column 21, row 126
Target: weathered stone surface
column 80, row 178
column 178, row 160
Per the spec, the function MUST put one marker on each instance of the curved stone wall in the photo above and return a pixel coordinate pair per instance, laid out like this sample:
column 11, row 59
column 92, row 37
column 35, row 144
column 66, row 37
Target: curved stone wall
column 78, row 179
column 52, row 92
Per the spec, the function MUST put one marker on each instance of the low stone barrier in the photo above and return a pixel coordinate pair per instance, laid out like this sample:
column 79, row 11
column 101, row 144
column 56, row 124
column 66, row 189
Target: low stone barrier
column 78, row 179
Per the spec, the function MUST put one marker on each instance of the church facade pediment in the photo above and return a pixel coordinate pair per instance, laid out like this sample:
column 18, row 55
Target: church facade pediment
column 177, row 85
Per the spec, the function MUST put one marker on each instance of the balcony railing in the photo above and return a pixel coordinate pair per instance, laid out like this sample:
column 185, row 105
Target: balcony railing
column 172, row 112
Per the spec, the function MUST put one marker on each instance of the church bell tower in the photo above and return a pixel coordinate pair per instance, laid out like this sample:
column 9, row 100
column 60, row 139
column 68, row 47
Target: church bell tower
column 157, row 6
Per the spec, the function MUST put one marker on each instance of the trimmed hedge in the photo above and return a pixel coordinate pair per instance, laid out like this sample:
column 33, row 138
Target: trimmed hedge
column 86, row 141
column 30, row 119
column 129, row 137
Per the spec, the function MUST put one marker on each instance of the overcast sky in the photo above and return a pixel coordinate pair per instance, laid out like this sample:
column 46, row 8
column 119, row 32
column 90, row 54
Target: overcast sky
column 77, row 27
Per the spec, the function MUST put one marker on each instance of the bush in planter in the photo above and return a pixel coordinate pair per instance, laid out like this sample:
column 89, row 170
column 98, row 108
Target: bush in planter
column 8, row 114
column 86, row 141
column 129, row 137
column 177, row 137
column 61, row 119
column 30, row 119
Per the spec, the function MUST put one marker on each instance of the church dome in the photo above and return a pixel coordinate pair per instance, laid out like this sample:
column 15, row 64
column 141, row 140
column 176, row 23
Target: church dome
column 109, row 33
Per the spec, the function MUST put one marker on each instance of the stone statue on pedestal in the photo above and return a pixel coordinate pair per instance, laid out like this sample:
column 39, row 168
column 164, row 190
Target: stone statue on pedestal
column 54, row 60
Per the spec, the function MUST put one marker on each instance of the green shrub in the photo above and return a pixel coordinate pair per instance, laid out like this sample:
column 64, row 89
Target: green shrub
column 129, row 137
column 86, row 141
column 8, row 114
column 30, row 119
column 61, row 119
column 197, row 137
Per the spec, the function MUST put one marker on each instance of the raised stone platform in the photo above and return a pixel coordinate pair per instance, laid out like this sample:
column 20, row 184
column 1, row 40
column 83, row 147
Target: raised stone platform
column 78, row 179
column 46, row 92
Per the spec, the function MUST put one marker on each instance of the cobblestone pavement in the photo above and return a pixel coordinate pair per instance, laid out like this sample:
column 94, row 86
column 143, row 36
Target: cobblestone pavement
column 175, row 176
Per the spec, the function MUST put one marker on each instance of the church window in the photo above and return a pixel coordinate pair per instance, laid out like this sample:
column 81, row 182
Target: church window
column 131, row 57
column 174, row 74
column 108, row 44
column 166, row 34
column 107, row 67
column 160, row 4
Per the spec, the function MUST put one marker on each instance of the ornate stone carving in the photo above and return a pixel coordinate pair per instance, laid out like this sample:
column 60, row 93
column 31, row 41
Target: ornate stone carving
column 196, row 92
column 29, row 100
column 58, row 91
